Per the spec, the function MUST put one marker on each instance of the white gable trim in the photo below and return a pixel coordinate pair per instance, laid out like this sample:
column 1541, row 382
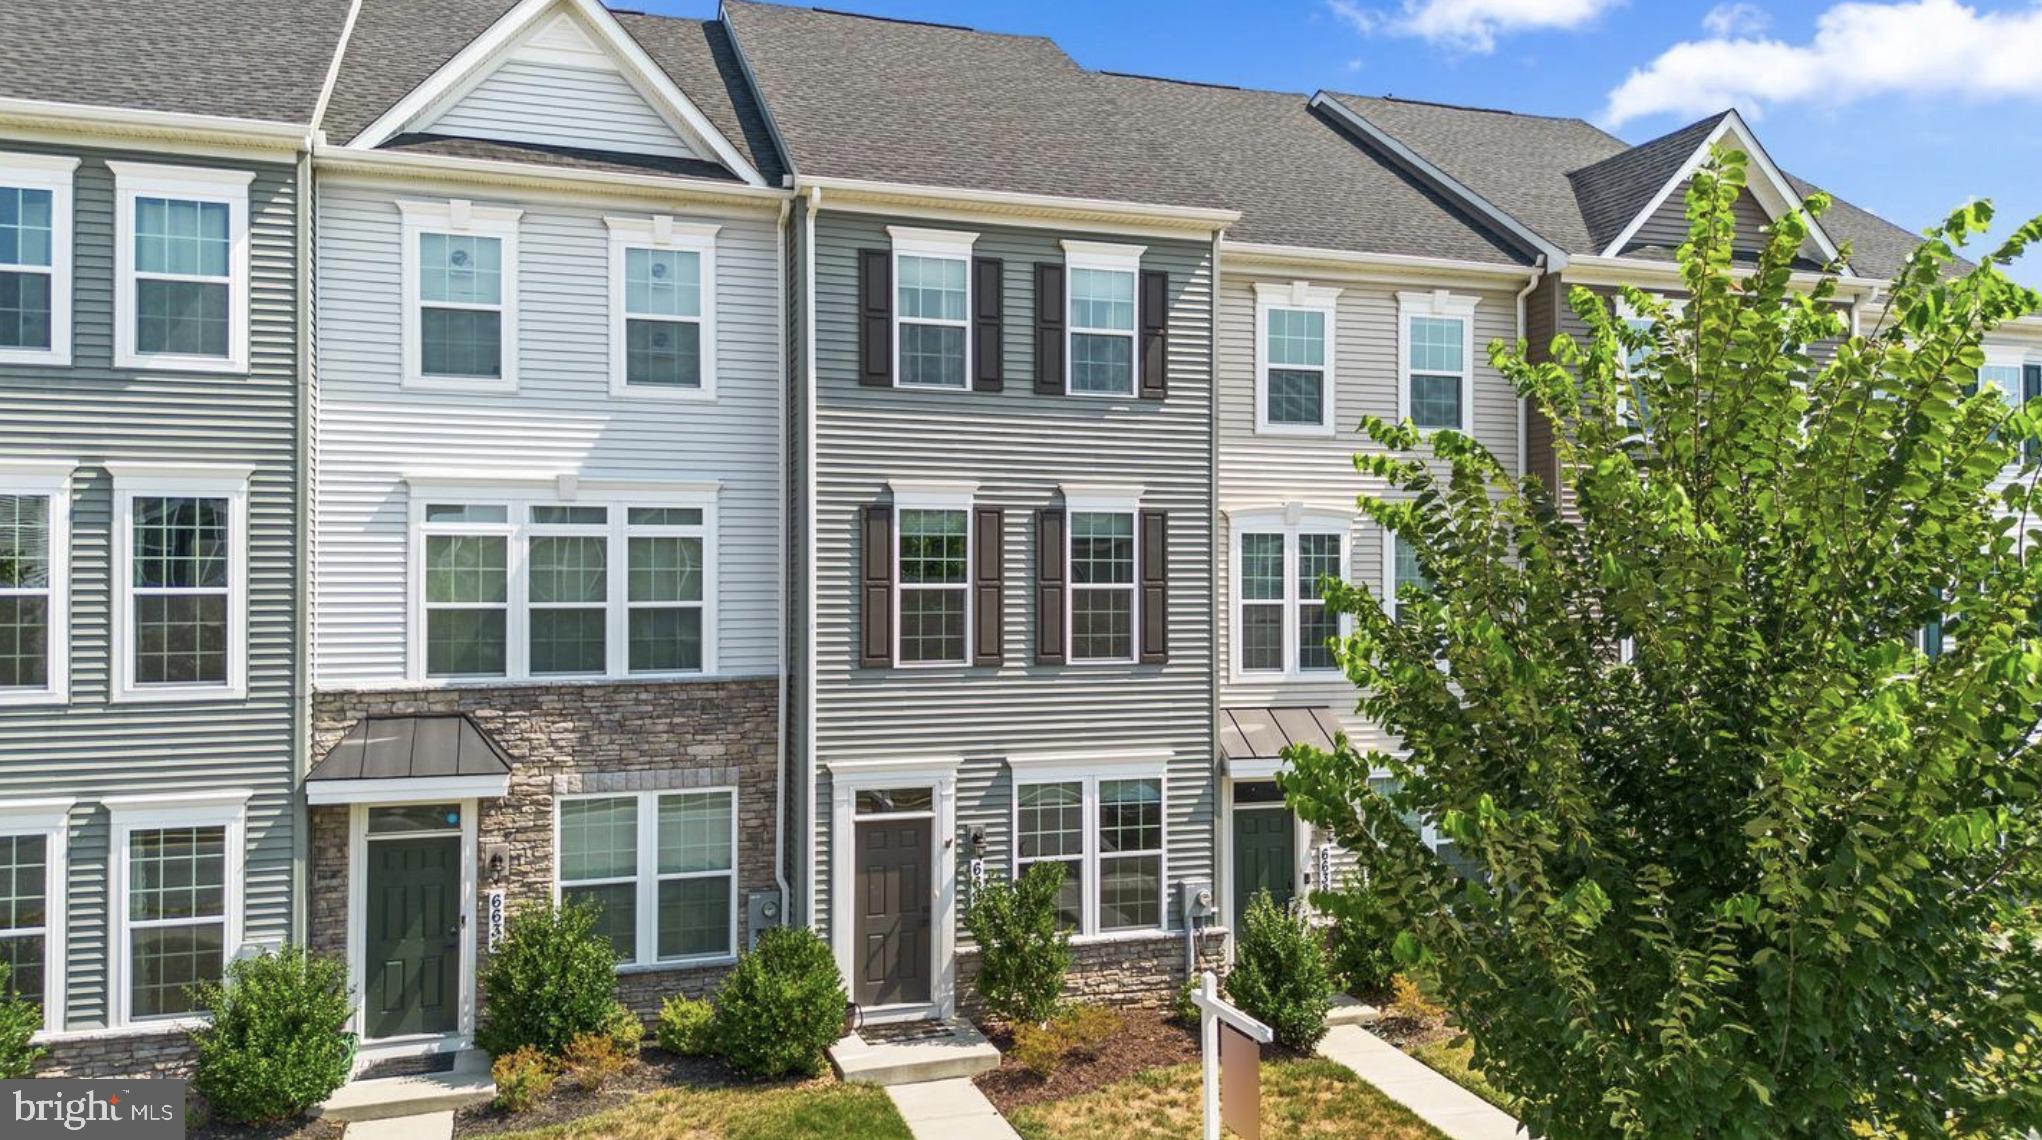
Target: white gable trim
column 472, row 64
column 1771, row 188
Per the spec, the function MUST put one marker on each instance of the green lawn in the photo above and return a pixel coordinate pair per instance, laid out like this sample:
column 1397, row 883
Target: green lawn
column 818, row 1110
column 1301, row 1100
column 1454, row 1063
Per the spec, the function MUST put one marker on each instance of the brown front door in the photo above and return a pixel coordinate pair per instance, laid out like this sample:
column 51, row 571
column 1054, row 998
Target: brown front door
column 894, row 907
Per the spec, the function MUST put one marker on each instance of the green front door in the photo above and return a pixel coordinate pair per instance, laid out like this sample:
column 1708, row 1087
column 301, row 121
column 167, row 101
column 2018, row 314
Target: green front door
column 1265, row 855
column 413, row 947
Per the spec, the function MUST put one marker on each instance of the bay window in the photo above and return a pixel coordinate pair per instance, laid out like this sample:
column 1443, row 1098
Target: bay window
column 180, row 267
column 1101, row 325
column 1294, row 358
column 1437, row 348
column 515, row 587
column 662, row 307
column 659, row 867
column 460, row 322
column 35, row 258
column 1103, row 819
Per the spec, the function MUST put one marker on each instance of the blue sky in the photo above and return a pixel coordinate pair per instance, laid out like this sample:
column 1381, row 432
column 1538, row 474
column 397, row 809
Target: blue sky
column 1906, row 107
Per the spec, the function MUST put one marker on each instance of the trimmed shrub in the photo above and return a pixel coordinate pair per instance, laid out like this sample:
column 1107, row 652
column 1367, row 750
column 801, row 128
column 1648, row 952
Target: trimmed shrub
column 1358, row 945
column 685, row 1026
column 1023, row 950
column 1279, row 975
column 624, row 1029
column 522, row 1077
column 552, row 979
column 782, row 1006
column 20, row 1020
column 1183, row 1010
column 278, row 1042
column 593, row 1060
column 1079, row 1028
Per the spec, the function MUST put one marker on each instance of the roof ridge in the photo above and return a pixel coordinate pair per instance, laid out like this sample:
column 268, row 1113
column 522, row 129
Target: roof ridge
column 1440, row 103
column 1172, row 79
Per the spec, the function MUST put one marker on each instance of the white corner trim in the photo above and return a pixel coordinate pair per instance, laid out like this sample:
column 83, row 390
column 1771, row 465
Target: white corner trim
column 916, row 240
column 54, row 173
column 663, row 232
column 211, row 185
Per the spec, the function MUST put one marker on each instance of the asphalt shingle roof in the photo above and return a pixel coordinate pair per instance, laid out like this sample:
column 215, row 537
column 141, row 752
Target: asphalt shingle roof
column 1534, row 168
column 197, row 57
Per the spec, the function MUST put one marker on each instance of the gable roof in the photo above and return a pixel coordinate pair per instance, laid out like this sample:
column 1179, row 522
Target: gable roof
column 1575, row 184
column 399, row 46
column 195, row 57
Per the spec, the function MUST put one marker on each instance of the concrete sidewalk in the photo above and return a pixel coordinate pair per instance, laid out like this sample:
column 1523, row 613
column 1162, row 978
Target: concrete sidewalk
column 1439, row 1102
column 424, row 1126
column 951, row 1109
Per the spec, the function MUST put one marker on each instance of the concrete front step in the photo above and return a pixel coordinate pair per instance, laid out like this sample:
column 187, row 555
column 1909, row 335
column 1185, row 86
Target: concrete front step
column 388, row 1097
column 1352, row 1011
column 961, row 1052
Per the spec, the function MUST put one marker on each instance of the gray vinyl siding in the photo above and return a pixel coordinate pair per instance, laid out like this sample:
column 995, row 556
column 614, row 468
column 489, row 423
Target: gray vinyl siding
column 1261, row 472
column 560, row 105
column 1667, row 226
column 1019, row 448
column 91, row 414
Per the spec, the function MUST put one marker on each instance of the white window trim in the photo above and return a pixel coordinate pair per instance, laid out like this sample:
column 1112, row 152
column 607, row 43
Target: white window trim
column 950, row 245
column 647, row 878
column 127, row 814
column 54, row 173
column 197, row 481
column 935, row 496
column 1304, row 297
column 518, row 497
column 939, row 775
column 1438, row 303
column 2006, row 356
column 662, row 233
column 460, row 217
column 1087, row 499
column 51, row 819
column 1291, row 521
column 1088, row 769
column 1112, row 258
column 134, row 180
column 54, row 481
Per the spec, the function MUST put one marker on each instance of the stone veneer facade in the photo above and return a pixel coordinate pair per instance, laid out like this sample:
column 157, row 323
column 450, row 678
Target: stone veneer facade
column 1139, row 972
column 565, row 739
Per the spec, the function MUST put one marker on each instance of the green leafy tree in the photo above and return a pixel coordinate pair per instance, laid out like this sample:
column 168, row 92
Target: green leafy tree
column 1751, row 863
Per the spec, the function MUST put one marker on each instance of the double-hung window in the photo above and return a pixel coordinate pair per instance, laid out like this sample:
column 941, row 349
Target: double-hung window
column 177, row 890
column 35, row 258
column 34, row 582
column 182, row 560
column 460, row 326
column 1294, row 358
column 1103, row 578
column 932, row 307
column 2001, row 375
column 33, row 835
column 1404, row 570
column 659, row 867
column 1101, row 283
column 1437, row 337
column 516, row 587
column 180, row 267
column 1282, row 625
column 932, row 549
column 1103, row 820
column 662, row 307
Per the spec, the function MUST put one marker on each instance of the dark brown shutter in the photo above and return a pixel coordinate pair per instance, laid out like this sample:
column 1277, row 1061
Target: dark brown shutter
column 2031, row 387
column 875, row 318
column 1155, row 381
column 1049, row 587
column 988, row 582
column 875, row 606
column 1049, row 329
column 988, row 328
column 1155, row 558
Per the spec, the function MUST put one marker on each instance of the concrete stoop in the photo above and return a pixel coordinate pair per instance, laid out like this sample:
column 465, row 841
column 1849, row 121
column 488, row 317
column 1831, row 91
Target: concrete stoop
column 960, row 1050
column 1352, row 1011
column 389, row 1097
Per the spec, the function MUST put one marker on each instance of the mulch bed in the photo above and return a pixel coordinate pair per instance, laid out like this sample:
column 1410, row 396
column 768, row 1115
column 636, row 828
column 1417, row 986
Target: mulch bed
column 1148, row 1039
column 656, row 1069
column 289, row 1130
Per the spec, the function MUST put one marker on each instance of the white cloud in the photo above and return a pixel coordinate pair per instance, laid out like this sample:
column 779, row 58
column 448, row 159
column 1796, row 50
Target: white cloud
column 1859, row 50
column 1728, row 21
column 1470, row 25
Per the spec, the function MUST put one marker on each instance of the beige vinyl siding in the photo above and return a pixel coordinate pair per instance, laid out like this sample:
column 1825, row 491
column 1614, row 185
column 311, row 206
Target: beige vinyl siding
column 1261, row 471
column 91, row 414
column 562, row 418
column 1018, row 447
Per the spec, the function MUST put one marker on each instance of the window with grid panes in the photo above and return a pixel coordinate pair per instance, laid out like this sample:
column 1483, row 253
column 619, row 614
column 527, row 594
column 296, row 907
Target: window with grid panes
column 568, row 589
column 1130, row 854
column 178, row 589
column 460, row 294
column 176, row 916
column 1436, row 368
column 1319, row 558
column 660, row 867
column 662, row 318
column 27, row 271
column 1052, row 830
column 1295, row 384
column 934, row 584
column 25, row 634
column 931, row 319
column 665, row 589
column 25, row 912
column 1262, row 602
column 1406, row 571
column 1102, row 331
column 467, row 591
column 183, row 276
column 1102, row 576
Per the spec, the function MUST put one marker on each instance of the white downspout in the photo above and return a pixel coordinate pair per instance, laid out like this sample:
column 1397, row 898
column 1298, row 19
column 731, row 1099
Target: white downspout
column 1538, row 274
column 808, row 810
column 780, row 594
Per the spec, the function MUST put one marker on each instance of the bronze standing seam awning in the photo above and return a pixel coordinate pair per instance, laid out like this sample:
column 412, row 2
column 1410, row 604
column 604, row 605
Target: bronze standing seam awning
column 1262, row 733
column 409, row 758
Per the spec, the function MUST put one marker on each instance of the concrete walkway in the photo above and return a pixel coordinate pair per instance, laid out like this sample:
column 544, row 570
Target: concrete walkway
column 1439, row 1102
column 951, row 1109
column 424, row 1126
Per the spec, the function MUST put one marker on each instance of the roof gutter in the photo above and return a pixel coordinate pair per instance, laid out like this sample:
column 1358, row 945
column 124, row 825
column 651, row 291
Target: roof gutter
column 1360, row 262
column 175, row 126
column 1588, row 270
column 351, row 160
column 855, row 193
column 1556, row 258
